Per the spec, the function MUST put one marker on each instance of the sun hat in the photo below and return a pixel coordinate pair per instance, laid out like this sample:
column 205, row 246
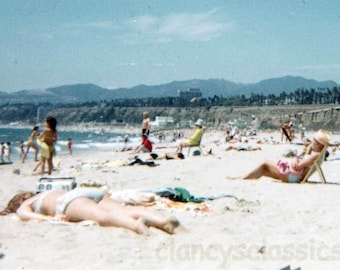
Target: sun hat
column 321, row 136
column 199, row 122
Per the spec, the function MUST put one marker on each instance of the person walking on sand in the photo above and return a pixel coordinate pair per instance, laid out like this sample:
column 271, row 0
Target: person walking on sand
column 46, row 141
column 31, row 143
column 126, row 139
column 94, row 204
column 21, row 149
column 2, row 152
column 8, row 151
column 146, row 124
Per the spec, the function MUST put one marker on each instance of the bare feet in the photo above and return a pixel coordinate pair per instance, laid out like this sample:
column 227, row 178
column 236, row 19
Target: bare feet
column 232, row 178
column 142, row 226
column 171, row 224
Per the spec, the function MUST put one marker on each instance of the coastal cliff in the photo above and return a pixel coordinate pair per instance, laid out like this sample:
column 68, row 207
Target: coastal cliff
column 266, row 117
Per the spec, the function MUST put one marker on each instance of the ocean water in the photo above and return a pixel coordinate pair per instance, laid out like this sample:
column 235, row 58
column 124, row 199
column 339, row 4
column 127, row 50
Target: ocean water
column 82, row 141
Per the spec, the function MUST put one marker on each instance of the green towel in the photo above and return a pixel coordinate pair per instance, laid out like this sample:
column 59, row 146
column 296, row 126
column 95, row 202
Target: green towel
column 184, row 195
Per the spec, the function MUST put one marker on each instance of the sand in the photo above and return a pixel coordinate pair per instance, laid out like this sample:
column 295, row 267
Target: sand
column 270, row 225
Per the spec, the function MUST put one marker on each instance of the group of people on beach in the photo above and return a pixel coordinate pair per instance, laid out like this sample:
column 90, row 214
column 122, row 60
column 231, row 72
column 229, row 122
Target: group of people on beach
column 44, row 144
column 95, row 204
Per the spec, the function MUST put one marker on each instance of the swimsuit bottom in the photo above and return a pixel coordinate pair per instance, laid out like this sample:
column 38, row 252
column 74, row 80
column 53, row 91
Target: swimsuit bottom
column 46, row 150
column 293, row 178
column 94, row 194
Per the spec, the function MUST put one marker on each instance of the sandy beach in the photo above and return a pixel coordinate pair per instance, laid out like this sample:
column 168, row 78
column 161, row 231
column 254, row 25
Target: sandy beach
column 264, row 224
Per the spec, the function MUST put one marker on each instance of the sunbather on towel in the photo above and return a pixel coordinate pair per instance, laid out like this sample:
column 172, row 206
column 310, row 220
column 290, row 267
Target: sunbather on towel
column 288, row 172
column 94, row 204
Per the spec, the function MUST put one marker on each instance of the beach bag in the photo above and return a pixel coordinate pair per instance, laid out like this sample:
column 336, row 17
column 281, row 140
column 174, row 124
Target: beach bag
column 196, row 153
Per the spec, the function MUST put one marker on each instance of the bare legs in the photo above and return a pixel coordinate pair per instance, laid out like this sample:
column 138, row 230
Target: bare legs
column 27, row 150
column 267, row 168
column 50, row 164
column 182, row 143
column 111, row 213
column 153, row 218
column 42, row 165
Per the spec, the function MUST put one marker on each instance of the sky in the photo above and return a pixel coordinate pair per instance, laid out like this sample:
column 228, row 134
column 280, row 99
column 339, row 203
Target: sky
column 114, row 43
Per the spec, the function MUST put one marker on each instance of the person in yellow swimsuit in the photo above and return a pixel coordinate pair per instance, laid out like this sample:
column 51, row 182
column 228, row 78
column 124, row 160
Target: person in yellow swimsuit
column 46, row 141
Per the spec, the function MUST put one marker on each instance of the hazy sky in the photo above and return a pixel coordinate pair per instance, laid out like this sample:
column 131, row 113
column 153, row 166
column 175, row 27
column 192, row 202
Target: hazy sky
column 111, row 43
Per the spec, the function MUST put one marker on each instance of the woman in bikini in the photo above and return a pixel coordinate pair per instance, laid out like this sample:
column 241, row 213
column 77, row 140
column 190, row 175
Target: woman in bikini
column 31, row 143
column 285, row 172
column 94, row 204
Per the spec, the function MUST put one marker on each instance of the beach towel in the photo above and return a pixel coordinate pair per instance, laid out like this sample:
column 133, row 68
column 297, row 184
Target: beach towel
column 180, row 194
column 138, row 161
column 134, row 197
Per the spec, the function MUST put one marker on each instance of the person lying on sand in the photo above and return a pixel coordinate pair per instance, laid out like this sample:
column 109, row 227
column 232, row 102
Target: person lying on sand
column 285, row 172
column 92, row 204
column 168, row 156
column 243, row 147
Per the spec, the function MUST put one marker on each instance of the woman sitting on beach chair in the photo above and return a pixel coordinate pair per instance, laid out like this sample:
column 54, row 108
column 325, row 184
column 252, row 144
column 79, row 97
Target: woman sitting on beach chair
column 194, row 140
column 94, row 204
column 293, row 172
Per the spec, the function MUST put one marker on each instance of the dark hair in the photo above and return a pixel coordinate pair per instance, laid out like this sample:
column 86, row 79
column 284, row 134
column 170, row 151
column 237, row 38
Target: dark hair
column 52, row 122
column 180, row 155
column 16, row 202
column 35, row 128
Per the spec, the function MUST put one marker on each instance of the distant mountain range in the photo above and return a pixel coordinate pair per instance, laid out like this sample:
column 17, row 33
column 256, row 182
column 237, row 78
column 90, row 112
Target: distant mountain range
column 79, row 93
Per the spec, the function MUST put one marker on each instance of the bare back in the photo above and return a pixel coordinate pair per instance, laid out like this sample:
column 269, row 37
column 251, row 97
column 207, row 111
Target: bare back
column 49, row 136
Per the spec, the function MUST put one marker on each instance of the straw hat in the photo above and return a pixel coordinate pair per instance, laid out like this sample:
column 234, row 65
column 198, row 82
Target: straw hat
column 321, row 136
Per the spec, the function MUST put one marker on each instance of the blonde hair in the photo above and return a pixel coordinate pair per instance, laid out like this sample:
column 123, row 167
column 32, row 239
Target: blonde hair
column 16, row 202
